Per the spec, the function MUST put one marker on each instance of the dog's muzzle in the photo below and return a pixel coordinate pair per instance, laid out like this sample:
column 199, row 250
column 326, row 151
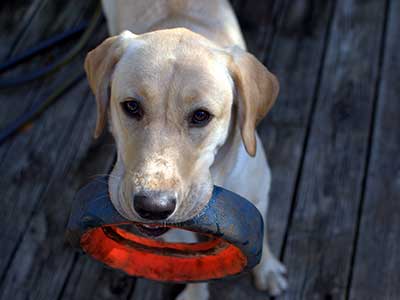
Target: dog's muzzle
column 233, row 225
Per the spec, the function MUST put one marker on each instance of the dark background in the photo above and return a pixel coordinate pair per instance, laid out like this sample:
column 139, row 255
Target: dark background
column 332, row 140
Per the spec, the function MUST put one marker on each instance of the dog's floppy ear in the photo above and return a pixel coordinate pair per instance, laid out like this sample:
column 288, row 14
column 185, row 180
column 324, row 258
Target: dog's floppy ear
column 256, row 89
column 99, row 66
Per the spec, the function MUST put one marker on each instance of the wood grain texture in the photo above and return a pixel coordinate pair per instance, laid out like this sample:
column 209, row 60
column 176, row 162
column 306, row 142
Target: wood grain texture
column 320, row 241
column 42, row 168
column 328, row 172
column 49, row 18
column 25, row 161
column 91, row 280
column 15, row 17
column 295, row 58
column 377, row 260
column 152, row 290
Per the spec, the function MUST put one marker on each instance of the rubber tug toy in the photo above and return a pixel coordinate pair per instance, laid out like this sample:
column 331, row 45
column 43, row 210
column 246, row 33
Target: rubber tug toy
column 232, row 225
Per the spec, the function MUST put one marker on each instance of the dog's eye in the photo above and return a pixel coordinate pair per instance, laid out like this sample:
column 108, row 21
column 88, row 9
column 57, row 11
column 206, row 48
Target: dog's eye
column 132, row 108
column 200, row 118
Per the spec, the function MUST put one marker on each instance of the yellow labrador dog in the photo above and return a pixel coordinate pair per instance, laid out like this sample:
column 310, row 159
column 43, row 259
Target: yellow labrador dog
column 183, row 98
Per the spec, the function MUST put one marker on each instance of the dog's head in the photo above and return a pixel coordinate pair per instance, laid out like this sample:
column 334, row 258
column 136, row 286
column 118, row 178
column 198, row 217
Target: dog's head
column 170, row 96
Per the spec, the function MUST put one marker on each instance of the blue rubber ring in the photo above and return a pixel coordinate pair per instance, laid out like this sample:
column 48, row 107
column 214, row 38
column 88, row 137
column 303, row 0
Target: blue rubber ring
column 227, row 215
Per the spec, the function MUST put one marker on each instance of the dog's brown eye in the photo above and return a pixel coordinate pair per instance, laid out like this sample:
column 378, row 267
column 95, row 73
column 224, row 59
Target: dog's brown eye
column 133, row 109
column 200, row 118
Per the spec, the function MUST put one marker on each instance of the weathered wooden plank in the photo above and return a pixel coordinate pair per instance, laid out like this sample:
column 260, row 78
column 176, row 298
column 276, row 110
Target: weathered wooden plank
column 41, row 261
column 15, row 17
column 15, row 101
column 94, row 274
column 295, row 57
column 322, row 230
column 376, row 271
column 22, row 163
column 152, row 290
column 41, row 171
column 50, row 270
column 50, row 17
column 103, row 283
column 257, row 21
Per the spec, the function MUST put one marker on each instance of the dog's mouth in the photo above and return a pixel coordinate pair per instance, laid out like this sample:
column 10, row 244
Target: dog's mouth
column 152, row 230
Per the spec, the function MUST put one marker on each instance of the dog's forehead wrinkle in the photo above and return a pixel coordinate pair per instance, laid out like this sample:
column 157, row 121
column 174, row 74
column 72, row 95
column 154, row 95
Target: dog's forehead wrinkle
column 166, row 74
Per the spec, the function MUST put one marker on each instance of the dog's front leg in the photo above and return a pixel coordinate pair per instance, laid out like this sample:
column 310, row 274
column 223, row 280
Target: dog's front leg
column 269, row 274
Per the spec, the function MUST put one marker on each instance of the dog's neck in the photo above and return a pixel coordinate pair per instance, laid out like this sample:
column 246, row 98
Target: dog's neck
column 213, row 19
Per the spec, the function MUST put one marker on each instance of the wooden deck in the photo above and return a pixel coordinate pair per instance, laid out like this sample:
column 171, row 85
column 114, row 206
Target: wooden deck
column 333, row 141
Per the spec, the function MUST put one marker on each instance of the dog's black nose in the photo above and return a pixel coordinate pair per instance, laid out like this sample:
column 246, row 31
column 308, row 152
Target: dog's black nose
column 154, row 205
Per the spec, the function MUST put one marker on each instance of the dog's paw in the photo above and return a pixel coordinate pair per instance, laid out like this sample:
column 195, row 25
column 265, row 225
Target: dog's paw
column 269, row 276
column 194, row 291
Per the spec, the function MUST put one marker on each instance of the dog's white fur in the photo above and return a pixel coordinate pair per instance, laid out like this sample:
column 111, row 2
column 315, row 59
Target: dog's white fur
column 233, row 168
